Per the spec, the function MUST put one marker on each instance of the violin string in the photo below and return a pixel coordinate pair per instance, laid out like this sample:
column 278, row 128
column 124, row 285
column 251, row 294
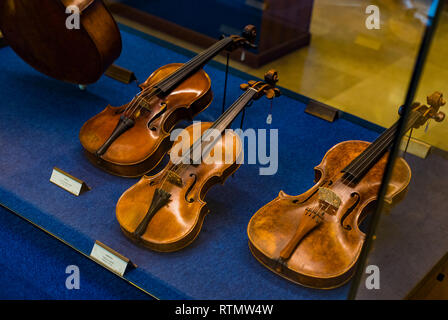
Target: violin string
column 387, row 139
column 233, row 109
column 383, row 144
column 209, row 53
column 186, row 66
column 357, row 161
column 176, row 75
column 347, row 180
column 135, row 102
column 180, row 165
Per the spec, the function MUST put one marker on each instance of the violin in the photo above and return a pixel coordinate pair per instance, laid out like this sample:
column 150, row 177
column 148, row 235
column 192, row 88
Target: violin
column 131, row 140
column 165, row 212
column 314, row 239
column 38, row 33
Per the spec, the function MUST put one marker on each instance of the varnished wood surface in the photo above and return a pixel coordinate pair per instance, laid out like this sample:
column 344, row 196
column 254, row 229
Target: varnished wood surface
column 140, row 149
column 178, row 223
column 36, row 31
column 326, row 256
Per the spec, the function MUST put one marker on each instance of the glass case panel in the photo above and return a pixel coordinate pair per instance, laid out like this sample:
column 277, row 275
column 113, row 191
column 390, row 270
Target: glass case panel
column 408, row 257
column 312, row 157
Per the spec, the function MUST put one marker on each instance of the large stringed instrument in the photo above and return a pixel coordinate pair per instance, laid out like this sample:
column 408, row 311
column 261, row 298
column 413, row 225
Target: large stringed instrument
column 165, row 212
column 37, row 31
column 314, row 239
column 132, row 139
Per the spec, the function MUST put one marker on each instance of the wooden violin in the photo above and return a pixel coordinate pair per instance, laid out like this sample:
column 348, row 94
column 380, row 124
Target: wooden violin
column 131, row 140
column 165, row 212
column 314, row 239
column 37, row 32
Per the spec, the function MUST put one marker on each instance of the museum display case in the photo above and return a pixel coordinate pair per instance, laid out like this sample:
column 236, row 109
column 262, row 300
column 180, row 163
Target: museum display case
column 318, row 94
column 408, row 248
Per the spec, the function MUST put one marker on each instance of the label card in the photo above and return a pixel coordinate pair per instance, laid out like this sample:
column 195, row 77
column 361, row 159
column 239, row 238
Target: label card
column 68, row 182
column 109, row 258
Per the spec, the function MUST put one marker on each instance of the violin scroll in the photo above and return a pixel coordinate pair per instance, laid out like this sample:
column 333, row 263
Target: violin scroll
column 271, row 77
column 266, row 87
column 250, row 34
column 430, row 111
column 247, row 38
column 436, row 101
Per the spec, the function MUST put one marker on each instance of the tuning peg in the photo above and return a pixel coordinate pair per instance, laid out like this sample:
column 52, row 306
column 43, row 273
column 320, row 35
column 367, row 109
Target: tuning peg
column 439, row 116
column 244, row 86
column 271, row 77
column 270, row 93
column 252, row 82
column 436, row 99
column 277, row 91
column 250, row 33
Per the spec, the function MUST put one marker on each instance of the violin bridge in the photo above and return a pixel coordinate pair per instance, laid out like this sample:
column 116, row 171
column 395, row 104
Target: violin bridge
column 144, row 104
column 175, row 179
column 328, row 196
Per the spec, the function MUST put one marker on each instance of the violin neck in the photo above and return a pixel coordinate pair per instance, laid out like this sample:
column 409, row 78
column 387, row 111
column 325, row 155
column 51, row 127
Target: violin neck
column 193, row 65
column 362, row 164
column 221, row 124
column 232, row 112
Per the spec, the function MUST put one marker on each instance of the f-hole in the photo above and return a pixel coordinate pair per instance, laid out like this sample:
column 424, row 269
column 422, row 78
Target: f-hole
column 191, row 200
column 349, row 210
column 156, row 116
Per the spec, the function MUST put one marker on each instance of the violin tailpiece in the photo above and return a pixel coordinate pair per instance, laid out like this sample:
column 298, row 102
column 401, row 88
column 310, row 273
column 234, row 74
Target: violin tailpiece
column 309, row 221
column 123, row 125
column 159, row 200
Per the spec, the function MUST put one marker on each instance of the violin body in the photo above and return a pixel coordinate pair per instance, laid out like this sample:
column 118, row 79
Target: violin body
column 177, row 224
column 295, row 237
column 139, row 150
column 37, row 32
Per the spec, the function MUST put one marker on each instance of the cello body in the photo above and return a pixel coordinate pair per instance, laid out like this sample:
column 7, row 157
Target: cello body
column 177, row 224
column 139, row 150
column 294, row 237
column 37, row 32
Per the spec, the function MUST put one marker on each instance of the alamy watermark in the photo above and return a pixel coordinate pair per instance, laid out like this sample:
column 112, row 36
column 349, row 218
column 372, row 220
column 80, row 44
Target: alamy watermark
column 73, row 281
column 256, row 147
column 373, row 20
column 73, row 20
column 373, row 278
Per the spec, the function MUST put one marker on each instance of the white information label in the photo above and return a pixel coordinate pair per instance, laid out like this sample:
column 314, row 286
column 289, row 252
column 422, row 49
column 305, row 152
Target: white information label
column 109, row 259
column 66, row 182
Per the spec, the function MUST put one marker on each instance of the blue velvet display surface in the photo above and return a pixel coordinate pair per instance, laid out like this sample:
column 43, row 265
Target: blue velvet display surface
column 34, row 266
column 40, row 120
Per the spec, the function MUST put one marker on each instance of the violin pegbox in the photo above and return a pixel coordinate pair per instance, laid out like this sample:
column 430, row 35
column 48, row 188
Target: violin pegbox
column 271, row 78
column 247, row 38
column 266, row 87
column 435, row 101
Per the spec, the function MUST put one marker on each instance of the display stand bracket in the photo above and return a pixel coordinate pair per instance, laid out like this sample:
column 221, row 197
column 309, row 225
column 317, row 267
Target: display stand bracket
column 120, row 74
column 110, row 259
column 321, row 110
column 68, row 182
column 416, row 147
